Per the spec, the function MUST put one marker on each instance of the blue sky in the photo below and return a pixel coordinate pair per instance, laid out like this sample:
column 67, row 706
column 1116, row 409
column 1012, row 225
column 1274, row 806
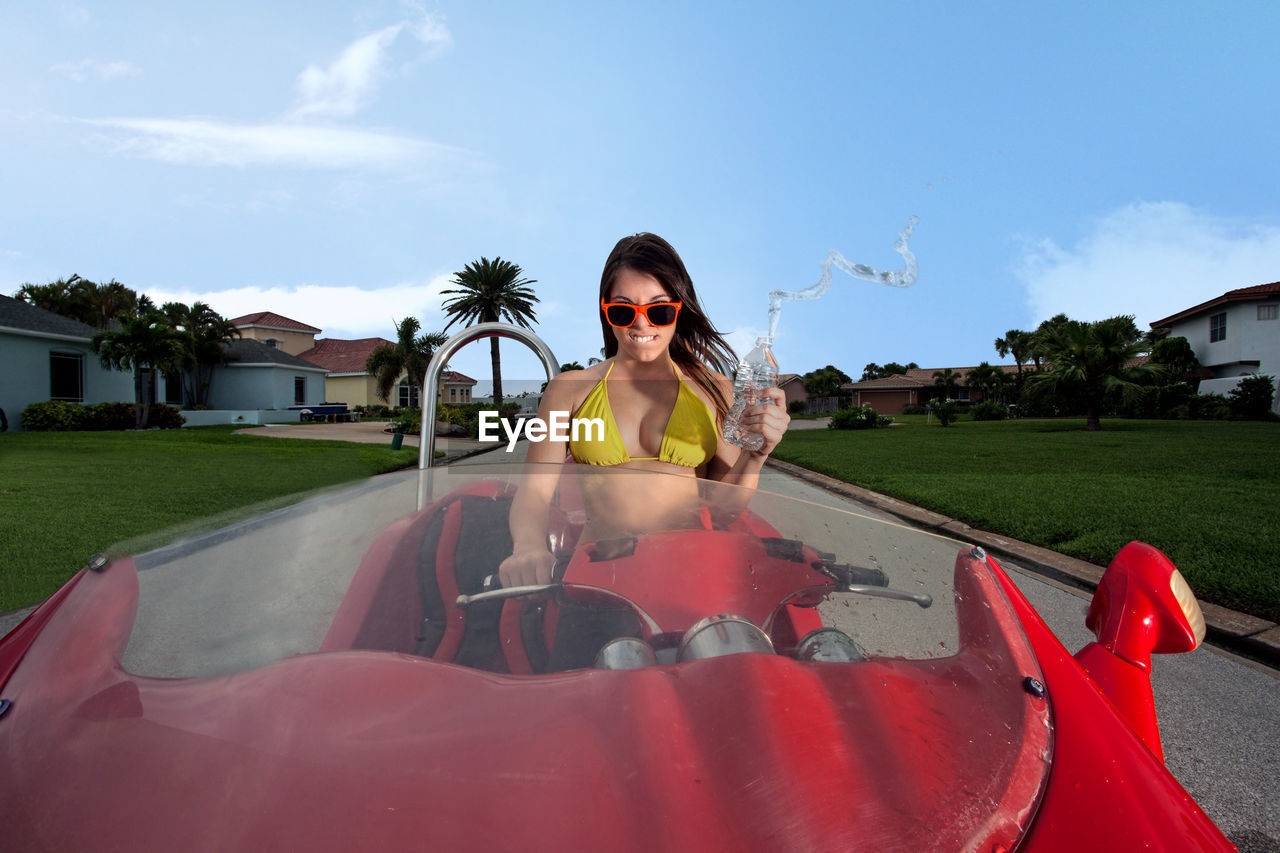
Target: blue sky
column 337, row 162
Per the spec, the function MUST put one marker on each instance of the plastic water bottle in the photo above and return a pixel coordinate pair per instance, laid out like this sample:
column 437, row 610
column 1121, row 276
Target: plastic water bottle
column 757, row 371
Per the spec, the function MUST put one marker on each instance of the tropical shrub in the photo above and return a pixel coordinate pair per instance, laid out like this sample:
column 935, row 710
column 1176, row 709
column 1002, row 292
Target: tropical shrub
column 110, row 416
column 1252, row 398
column 1205, row 407
column 57, row 416
column 989, row 410
column 52, row 416
column 914, row 409
column 408, row 421
column 1156, row 401
column 795, row 407
column 944, row 411
column 165, row 417
column 856, row 417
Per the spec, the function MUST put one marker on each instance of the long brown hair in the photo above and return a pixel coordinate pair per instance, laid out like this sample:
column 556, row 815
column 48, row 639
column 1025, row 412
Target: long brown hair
column 696, row 341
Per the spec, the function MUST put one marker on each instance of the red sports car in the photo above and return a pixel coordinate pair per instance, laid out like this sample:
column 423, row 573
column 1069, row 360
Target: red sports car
column 762, row 674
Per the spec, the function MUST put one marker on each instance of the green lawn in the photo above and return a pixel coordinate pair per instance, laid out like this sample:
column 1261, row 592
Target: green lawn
column 1207, row 493
column 66, row 496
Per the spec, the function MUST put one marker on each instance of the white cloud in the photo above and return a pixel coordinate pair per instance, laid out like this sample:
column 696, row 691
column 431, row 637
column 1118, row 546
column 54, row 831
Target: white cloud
column 209, row 142
column 1150, row 259
column 351, row 80
column 340, row 311
column 86, row 68
column 297, row 140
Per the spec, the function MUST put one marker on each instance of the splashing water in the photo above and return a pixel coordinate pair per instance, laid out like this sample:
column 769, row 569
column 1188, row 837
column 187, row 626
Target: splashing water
column 904, row 277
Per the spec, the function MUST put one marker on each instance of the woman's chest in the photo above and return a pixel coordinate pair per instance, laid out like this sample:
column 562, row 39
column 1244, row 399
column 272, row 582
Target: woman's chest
column 641, row 410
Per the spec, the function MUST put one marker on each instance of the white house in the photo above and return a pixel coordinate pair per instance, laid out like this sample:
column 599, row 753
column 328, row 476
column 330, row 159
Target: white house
column 1236, row 334
column 259, row 376
column 45, row 356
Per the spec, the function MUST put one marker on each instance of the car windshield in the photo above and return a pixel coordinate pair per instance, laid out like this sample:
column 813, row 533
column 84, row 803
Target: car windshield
column 895, row 648
column 278, row 583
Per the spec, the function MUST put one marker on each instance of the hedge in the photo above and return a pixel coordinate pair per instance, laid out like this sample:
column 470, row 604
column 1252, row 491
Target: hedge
column 57, row 416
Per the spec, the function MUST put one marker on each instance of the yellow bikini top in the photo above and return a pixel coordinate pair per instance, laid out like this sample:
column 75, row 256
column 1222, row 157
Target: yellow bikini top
column 690, row 438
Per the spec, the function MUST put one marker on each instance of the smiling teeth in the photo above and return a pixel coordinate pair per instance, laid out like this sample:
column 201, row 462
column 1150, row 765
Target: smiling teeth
column 643, row 338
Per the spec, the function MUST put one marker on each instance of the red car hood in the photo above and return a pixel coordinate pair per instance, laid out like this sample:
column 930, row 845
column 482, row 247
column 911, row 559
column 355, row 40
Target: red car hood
column 375, row 750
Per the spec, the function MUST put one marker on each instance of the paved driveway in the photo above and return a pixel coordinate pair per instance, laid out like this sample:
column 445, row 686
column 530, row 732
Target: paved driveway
column 365, row 432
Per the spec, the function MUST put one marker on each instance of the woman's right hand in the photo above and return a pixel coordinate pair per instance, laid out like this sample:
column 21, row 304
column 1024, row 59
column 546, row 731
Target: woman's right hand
column 527, row 568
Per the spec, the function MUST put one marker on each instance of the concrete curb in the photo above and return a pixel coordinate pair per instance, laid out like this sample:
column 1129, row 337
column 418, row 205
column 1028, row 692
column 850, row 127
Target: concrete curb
column 1241, row 633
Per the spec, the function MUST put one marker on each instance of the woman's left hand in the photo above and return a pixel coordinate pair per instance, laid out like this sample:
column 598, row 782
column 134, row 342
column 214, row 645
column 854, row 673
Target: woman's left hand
column 768, row 419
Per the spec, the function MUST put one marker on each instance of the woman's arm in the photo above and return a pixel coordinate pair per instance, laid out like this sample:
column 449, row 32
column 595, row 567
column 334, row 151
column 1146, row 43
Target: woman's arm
column 531, row 560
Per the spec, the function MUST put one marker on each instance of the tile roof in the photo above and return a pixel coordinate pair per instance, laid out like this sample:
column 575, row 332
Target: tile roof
column 343, row 356
column 1240, row 294
column 455, row 376
column 270, row 320
column 918, row 377
column 249, row 351
column 16, row 314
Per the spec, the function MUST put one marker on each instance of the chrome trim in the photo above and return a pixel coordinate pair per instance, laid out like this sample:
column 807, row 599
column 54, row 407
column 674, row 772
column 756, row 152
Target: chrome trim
column 626, row 653
column 723, row 634
column 431, row 384
column 828, row 645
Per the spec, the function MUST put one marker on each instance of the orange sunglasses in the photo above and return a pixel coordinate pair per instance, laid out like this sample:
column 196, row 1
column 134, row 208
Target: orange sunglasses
column 622, row 314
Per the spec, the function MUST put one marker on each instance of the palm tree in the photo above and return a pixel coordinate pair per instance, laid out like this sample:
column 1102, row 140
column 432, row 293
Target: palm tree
column 83, row 300
column 142, row 343
column 948, row 381
column 64, row 296
column 105, row 302
column 1043, row 332
column 1086, row 360
column 489, row 291
column 1017, row 343
column 987, row 379
column 205, row 335
column 410, row 354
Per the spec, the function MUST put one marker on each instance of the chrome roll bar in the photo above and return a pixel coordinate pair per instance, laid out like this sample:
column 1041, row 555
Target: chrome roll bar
column 431, row 384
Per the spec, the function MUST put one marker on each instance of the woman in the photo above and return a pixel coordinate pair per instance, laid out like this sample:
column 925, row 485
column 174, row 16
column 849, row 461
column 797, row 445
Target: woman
column 662, row 409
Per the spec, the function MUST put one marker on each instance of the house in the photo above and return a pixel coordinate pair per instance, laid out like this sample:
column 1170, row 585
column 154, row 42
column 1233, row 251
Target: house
column 348, row 381
column 259, row 377
column 276, row 331
column 793, row 386
column 46, row 356
column 343, row 361
column 455, row 388
column 1233, row 335
column 889, row 395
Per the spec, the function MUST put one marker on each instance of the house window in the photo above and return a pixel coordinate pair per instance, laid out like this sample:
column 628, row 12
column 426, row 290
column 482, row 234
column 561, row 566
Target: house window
column 466, row 395
column 173, row 389
column 408, row 396
column 1268, row 312
column 962, row 394
column 453, row 395
column 66, row 376
column 299, row 390
column 272, row 342
column 1217, row 328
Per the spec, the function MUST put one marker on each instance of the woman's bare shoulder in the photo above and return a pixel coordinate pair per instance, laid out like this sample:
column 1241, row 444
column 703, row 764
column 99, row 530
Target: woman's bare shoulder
column 567, row 390
column 724, row 383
